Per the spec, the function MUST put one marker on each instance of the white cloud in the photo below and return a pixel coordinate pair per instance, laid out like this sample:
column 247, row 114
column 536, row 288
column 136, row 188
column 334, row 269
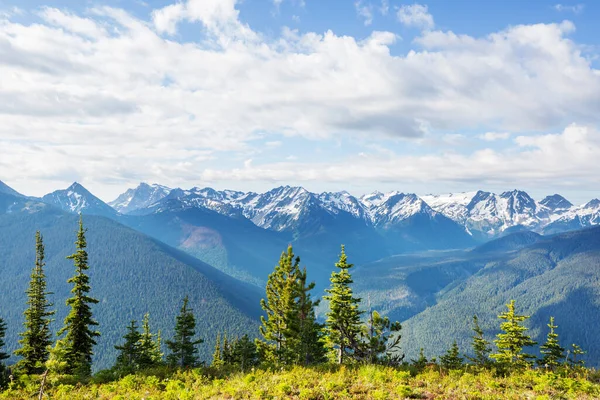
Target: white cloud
column 557, row 160
column 166, row 19
column 384, row 9
column 493, row 136
column 365, row 11
column 103, row 95
column 576, row 9
column 416, row 15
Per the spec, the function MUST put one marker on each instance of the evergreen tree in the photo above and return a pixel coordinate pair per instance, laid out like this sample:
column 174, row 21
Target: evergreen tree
column 217, row 358
column 510, row 344
column 552, row 351
column 150, row 348
column 421, row 362
column 452, row 358
column 343, row 326
column 481, row 347
column 129, row 352
column 37, row 336
column 310, row 348
column 57, row 363
column 78, row 324
column 381, row 341
column 184, row 353
column 280, row 326
column 3, row 355
column 575, row 356
column 244, row 353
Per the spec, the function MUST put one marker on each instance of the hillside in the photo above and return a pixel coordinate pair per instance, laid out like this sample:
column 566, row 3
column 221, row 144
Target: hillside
column 553, row 276
column 130, row 274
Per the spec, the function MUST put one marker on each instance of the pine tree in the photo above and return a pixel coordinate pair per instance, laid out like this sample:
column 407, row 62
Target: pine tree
column 452, row 358
column 3, row 355
column 129, row 352
column 343, row 325
column 78, row 324
column 481, row 347
column 150, row 351
column 552, row 351
column 184, row 353
column 511, row 343
column 37, row 336
column 279, row 327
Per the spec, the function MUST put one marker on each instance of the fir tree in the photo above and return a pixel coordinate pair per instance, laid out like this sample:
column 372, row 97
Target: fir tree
column 150, row 348
column 343, row 326
column 244, row 353
column 309, row 333
column 381, row 341
column 575, row 354
column 37, row 336
column 78, row 324
column 184, row 353
column 510, row 344
column 452, row 358
column 279, row 327
column 217, row 358
column 481, row 347
column 421, row 362
column 129, row 352
column 3, row 355
column 552, row 351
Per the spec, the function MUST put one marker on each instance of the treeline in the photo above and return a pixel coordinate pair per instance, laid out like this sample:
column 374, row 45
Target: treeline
column 290, row 332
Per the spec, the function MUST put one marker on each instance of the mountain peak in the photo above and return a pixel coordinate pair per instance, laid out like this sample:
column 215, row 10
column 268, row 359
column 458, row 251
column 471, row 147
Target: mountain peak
column 78, row 199
column 4, row 188
column 142, row 196
column 556, row 202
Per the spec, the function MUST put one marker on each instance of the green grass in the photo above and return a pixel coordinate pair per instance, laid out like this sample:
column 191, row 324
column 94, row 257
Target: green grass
column 326, row 382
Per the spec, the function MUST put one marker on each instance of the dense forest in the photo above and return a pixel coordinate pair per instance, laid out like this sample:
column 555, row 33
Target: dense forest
column 354, row 352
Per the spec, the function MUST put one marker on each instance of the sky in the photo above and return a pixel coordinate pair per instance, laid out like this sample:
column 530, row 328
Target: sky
column 362, row 95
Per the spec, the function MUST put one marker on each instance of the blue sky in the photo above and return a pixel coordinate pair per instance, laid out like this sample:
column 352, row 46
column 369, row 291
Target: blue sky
column 426, row 97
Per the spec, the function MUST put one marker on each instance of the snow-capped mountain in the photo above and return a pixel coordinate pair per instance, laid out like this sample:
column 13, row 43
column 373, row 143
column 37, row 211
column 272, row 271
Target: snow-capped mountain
column 77, row 199
column 141, row 197
column 392, row 208
column 482, row 214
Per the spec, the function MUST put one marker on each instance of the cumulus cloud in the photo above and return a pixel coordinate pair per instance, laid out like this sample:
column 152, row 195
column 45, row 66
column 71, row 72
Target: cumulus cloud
column 415, row 15
column 111, row 97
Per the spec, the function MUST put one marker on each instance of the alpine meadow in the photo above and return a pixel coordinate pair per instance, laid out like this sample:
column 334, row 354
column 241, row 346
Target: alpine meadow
column 299, row 199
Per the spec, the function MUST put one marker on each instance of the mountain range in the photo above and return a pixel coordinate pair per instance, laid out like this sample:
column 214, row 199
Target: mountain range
column 483, row 215
column 130, row 272
column 428, row 261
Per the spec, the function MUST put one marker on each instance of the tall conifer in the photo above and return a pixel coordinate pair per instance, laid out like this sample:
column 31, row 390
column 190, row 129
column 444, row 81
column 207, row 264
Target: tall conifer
column 129, row 352
column 511, row 343
column 184, row 353
column 150, row 347
column 79, row 339
column 37, row 336
column 553, row 353
column 281, row 314
column 343, row 325
column 481, row 346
